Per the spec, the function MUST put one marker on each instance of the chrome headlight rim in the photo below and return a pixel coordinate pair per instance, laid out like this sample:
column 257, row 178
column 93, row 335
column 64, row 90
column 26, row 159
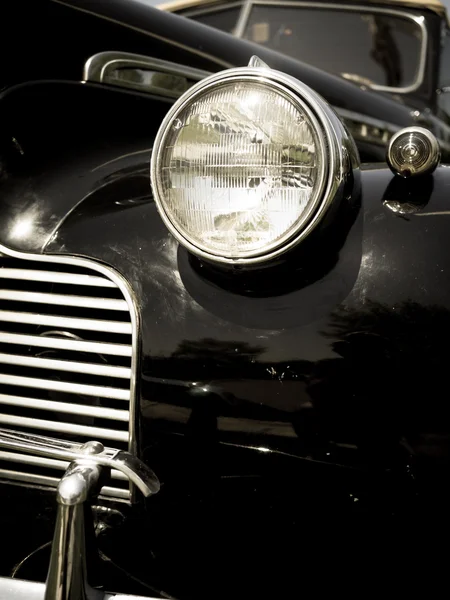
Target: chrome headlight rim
column 329, row 143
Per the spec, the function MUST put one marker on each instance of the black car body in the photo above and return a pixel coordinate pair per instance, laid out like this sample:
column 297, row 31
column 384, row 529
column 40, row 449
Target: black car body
column 295, row 415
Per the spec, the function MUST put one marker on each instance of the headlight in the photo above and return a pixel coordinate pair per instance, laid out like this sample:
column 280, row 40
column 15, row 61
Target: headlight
column 246, row 163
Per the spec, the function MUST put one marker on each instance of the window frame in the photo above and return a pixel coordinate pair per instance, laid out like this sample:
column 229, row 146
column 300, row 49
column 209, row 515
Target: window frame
column 247, row 5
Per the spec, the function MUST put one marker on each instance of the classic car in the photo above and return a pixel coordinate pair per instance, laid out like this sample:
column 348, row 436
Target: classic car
column 223, row 343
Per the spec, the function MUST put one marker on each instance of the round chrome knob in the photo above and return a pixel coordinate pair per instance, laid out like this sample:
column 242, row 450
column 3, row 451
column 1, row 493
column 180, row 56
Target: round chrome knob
column 413, row 151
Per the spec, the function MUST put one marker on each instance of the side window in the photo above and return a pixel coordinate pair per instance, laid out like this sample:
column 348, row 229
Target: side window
column 225, row 19
column 383, row 48
column 443, row 99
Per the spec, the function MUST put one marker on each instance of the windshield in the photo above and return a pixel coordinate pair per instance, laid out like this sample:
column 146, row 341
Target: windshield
column 379, row 48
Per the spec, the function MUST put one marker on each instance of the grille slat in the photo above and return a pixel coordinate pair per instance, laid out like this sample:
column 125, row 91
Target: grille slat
column 46, row 481
column 65, row 344
column 66, row 387
column 66, row 322
column 84, row 430
column 64, row 300
column 67, row 360
column 55, row 277
column 65, row 407
column 64, row 365
column 50, row 463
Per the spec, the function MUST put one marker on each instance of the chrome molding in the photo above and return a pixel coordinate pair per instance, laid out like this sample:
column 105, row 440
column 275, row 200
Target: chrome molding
column 98, row 68
column 243, row 18
column 106, row 279
column 136, row 471
column 213, row 9
column 111, row 493
column 170, row 42
column 367, row 129
column 51, row 463
column 74, row 551
column 66, row 322
column 66, row 344
column 334, row 147
column 16, row 589
column 84, row 430
column 100, row 303
column 65, row 407
column 52, row 277
column 68, row 388
column 65, row 365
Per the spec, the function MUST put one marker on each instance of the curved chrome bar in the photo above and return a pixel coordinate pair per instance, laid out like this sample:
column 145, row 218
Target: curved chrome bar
column 136, row 471
column 73, row 547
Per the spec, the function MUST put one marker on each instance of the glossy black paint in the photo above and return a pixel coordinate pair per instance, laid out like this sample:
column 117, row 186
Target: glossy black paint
column 313, row 367
column 318, row 411
column 52, row 165
column 315, row 441
column 293, row 359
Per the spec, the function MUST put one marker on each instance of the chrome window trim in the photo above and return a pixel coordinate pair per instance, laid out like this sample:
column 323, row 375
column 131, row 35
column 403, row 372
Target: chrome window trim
column 243, row 19
column 242, row 22
column 97, row 65
column 213, row 9
column 124, row 287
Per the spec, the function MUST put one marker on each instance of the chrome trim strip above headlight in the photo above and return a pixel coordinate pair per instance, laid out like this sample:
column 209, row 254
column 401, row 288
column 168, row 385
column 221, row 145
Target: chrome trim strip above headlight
column 99, row 67
column 66, row 387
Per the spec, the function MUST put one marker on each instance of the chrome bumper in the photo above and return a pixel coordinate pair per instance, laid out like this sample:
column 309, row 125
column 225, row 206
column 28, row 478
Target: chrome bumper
column 16, row 589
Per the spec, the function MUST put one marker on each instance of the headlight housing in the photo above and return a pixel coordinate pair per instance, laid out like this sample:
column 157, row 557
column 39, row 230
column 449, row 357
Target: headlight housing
column 246, row 163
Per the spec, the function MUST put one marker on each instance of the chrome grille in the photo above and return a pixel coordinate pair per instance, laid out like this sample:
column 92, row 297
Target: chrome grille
column 67, row 360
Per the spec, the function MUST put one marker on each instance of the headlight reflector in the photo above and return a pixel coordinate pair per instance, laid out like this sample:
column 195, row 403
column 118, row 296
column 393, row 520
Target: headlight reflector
column 241, row 165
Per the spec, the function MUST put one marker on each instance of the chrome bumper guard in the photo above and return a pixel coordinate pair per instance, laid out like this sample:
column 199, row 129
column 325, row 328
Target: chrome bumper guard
column 73, row 544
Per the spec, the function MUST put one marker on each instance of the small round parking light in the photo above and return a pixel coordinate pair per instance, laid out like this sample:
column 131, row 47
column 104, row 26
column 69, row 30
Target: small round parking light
column 413, row 151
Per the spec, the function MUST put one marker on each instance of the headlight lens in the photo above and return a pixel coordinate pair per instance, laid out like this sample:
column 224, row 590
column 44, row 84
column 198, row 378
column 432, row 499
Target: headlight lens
column 239, row 169
column 240, row 166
